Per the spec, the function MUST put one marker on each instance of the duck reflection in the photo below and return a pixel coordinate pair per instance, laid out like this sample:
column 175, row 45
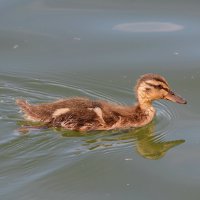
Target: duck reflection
column 147, row 143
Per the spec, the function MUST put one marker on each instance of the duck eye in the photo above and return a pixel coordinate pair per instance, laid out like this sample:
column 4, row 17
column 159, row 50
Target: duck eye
column 160, row 87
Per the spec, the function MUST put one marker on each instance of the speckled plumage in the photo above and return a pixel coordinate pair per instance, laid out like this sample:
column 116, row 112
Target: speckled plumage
column 84, row 114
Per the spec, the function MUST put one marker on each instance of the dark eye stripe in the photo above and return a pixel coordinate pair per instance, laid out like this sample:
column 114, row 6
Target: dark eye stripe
column 158, row 86
column 166, row 89
column 160, row 80
column 153, row 77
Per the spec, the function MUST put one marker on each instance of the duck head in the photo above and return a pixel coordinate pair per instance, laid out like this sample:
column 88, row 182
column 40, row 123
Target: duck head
column 152, row 87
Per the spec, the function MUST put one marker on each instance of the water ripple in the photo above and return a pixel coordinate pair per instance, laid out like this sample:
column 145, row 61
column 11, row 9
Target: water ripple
column 165, row 117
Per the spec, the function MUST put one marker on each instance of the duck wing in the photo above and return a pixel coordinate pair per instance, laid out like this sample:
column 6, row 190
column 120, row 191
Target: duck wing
column 73, row 113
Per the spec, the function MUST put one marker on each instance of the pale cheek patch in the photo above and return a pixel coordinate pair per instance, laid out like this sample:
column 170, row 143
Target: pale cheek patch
column 60, row 111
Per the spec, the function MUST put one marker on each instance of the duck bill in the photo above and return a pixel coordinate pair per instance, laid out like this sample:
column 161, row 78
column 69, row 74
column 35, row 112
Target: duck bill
column 171, row 96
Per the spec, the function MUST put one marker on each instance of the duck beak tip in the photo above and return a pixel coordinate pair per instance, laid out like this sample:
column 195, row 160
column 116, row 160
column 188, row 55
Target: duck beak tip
column 175, row 98
column 185, row 102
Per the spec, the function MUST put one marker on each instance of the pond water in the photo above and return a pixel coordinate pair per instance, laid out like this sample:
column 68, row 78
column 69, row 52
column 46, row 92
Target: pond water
column 54, row 49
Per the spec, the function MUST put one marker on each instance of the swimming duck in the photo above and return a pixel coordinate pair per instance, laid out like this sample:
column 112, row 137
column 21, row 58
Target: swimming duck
column 83, row 114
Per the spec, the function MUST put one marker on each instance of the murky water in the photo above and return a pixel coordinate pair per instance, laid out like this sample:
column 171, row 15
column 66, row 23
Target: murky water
column 54, row 49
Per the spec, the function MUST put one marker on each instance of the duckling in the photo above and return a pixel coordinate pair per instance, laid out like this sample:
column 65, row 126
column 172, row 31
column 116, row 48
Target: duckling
column 83, row 114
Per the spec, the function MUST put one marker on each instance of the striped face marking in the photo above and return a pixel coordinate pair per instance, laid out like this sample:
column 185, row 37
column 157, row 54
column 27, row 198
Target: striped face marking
column 158, row 85
column 151, row 87
column 60, row 111
column 149, row 81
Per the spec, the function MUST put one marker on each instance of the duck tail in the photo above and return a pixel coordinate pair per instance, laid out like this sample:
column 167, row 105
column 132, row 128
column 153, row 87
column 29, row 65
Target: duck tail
column 29, row 111
column 23, row 104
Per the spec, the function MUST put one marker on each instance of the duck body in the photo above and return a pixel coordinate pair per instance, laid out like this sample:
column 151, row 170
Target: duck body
column 84, row 114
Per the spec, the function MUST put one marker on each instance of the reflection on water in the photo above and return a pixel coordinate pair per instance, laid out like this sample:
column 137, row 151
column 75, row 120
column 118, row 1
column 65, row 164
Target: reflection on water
column 147, row 143
column 152, row 146
column 148, row 27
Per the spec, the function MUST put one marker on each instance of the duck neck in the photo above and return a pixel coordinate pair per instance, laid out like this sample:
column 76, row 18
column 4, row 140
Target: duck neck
column 147, row 111
column 145, row 104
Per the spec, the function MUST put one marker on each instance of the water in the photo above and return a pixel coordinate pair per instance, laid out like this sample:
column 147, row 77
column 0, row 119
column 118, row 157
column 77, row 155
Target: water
column 55, row 49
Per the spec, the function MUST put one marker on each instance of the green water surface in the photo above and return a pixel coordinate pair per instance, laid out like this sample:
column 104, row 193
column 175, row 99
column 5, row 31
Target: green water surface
column 54, row 49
